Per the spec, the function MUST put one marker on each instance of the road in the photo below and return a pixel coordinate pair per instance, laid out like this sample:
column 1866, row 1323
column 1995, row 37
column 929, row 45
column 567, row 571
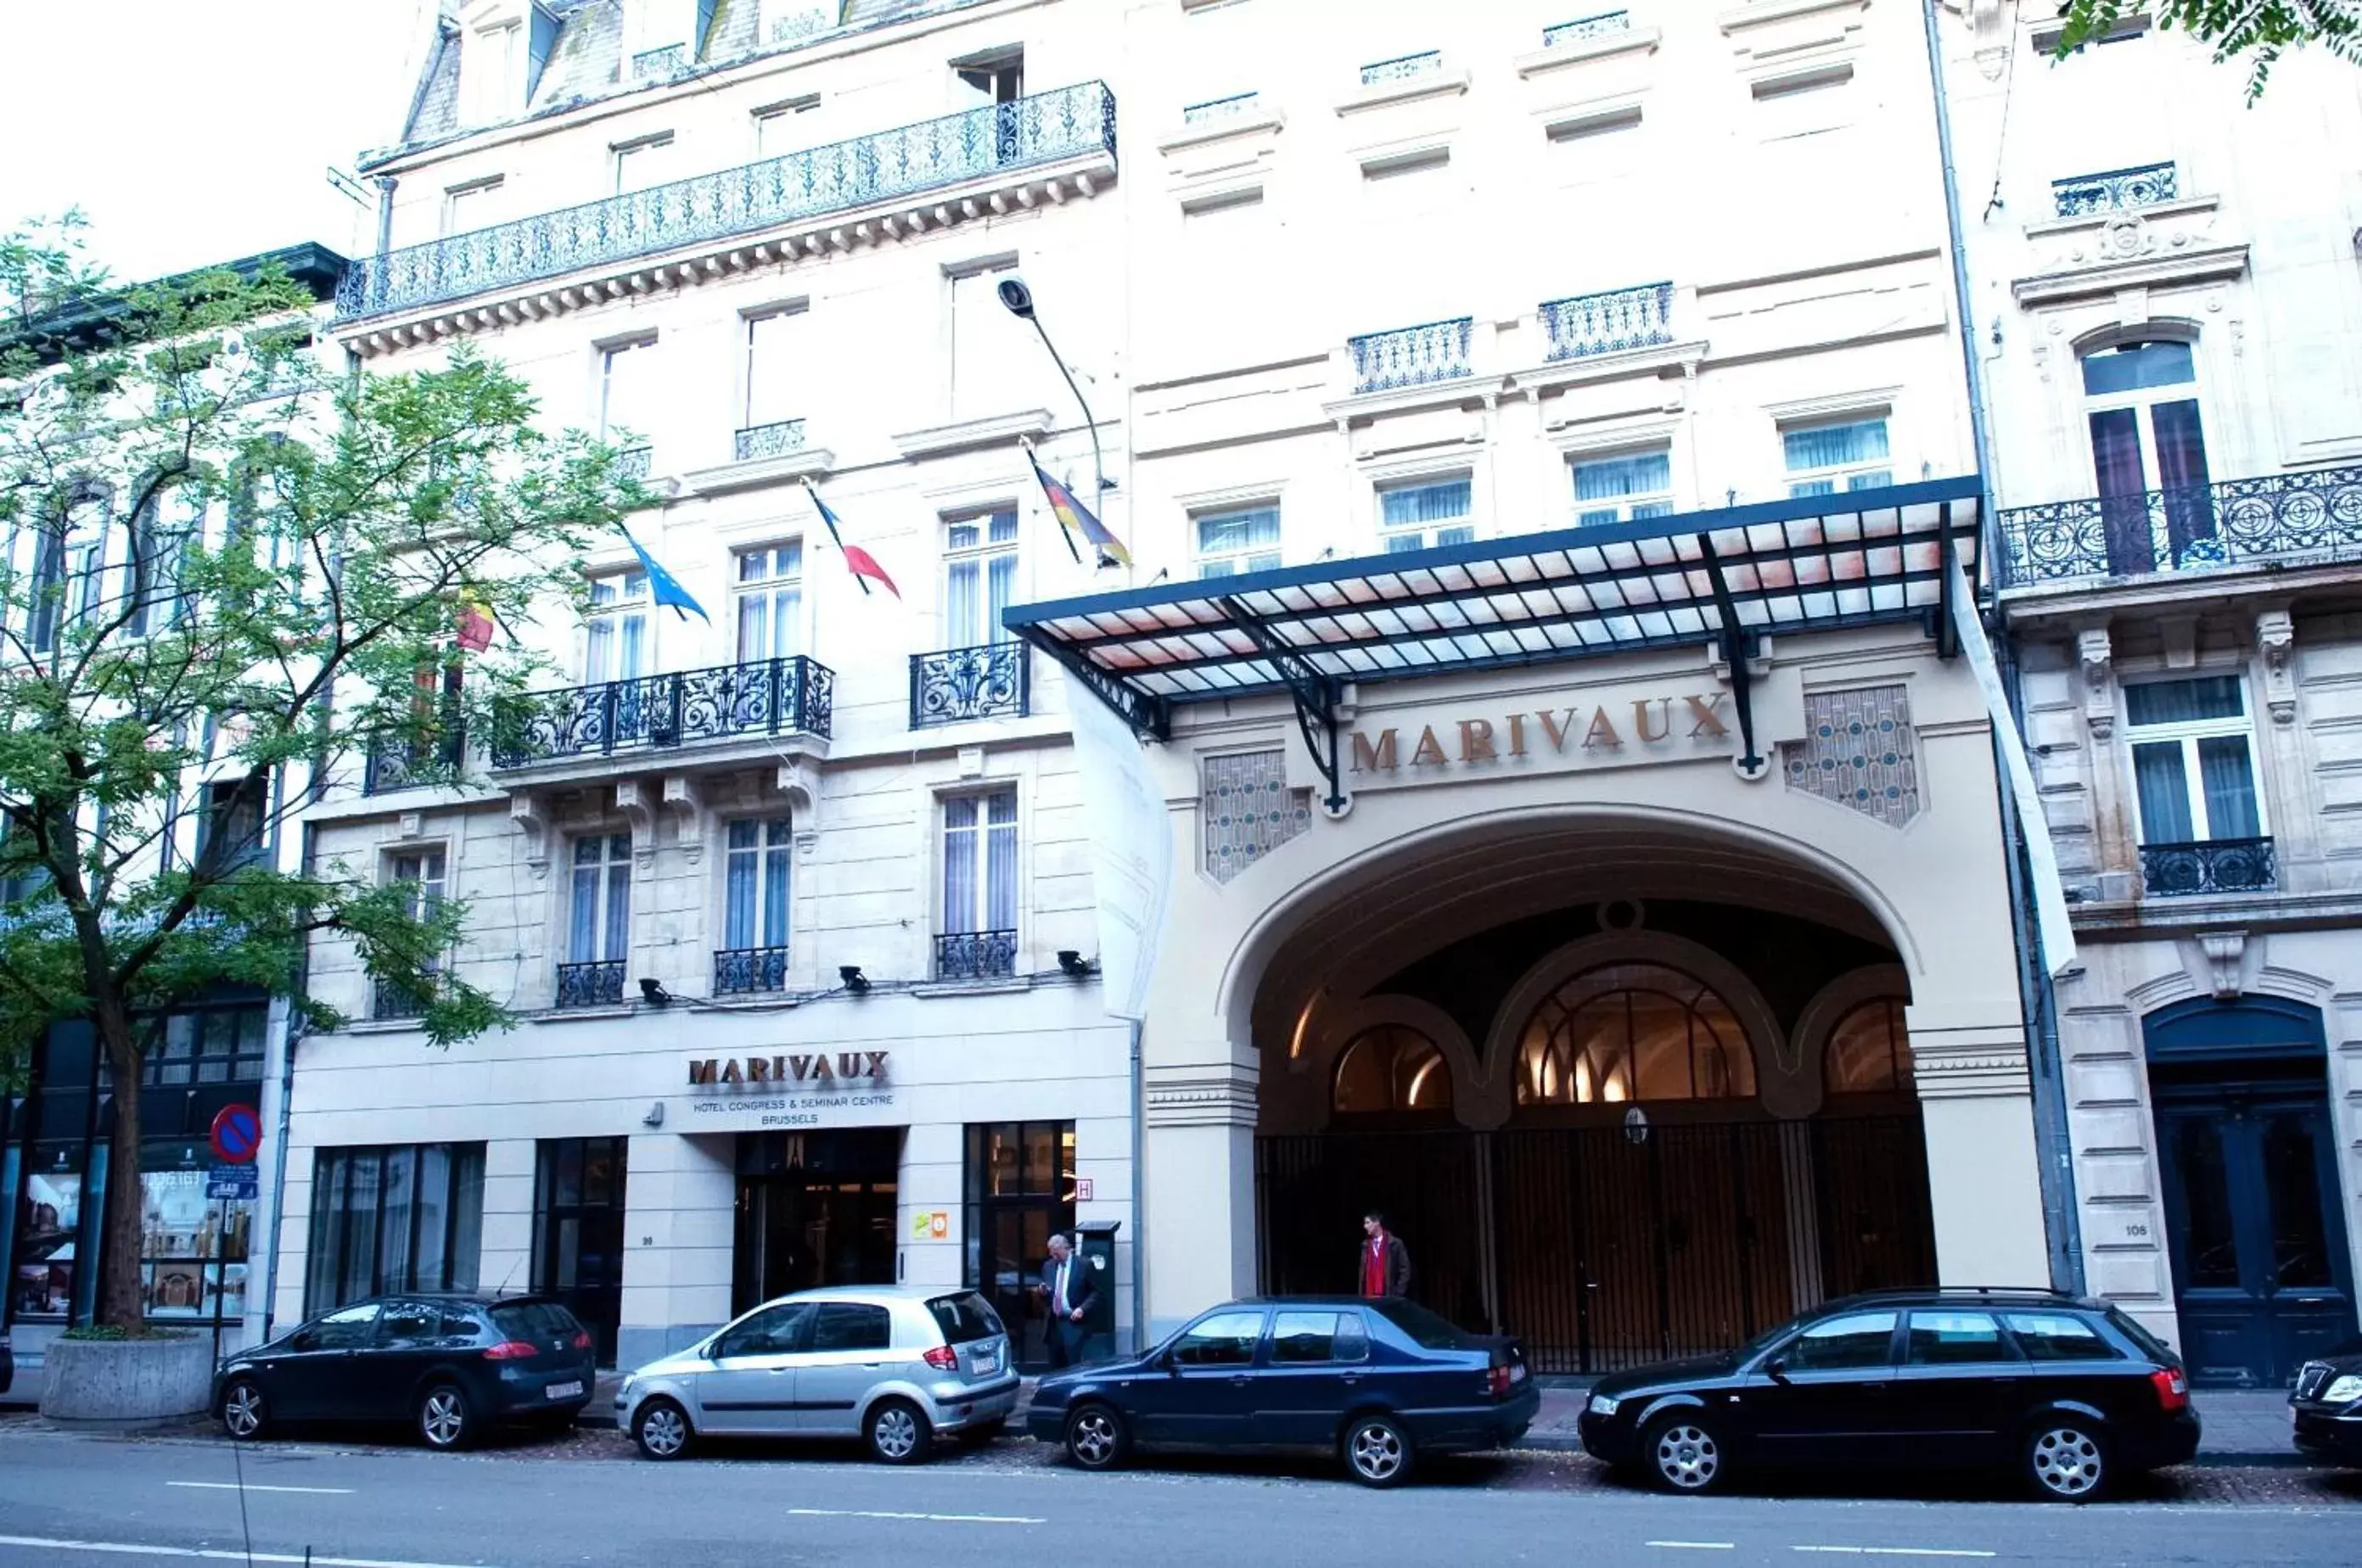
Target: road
column 75, row 1498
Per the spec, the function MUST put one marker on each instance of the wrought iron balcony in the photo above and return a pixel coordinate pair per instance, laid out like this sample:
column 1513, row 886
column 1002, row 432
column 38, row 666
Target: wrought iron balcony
column 1411, row 355
column 933, row 155
column 634, row 462
column 2218, row 865
column 2115, row 190
column 1598, row 27
column 976, row 955
column 2281, row 519
column 739, row 970
column 654, row 64
column 1609, row 323
column 774, row 440
column 599, row 984
column 766, row 697
column 1402, row 68
column 989, row 682
column 394, row 765
column 1214, row 109
column 390, row 1002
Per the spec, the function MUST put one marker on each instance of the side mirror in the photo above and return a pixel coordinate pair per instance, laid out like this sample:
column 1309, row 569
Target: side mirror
column 305, row 1339
column 1169, row 1362
column 1776, row 1369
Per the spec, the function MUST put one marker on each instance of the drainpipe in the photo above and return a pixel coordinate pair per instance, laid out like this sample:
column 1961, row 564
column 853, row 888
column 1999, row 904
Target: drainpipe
column 2053, row 1151
column 1139, row 1197
column 290, row 1036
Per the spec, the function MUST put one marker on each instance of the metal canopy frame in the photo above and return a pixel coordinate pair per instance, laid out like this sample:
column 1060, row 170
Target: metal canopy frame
column 1729, row 577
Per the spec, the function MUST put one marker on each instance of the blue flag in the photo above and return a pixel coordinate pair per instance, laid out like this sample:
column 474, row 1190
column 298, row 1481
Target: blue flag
column 663, row 587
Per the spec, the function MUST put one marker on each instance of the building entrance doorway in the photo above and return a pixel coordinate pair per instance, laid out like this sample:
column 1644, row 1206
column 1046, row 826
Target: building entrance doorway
column 814, row 1208
column 578, row 1233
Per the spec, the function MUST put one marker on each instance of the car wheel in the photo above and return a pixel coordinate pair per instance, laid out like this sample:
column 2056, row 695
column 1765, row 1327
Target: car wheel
column 244, row 1415
column 1683, row 1453
column 1377, row 1452
column 445, row 1420
column 1096, row 1438
column 898, row 1433
column 661, row 1429
column 2067, row 1461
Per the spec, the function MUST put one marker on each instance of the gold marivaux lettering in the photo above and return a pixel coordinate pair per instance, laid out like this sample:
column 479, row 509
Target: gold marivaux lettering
column 809, row 1068
column 1593, row 729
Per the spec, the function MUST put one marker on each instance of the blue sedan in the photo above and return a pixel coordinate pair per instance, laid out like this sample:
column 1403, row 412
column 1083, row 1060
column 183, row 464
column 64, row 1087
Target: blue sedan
column 1377, row 1382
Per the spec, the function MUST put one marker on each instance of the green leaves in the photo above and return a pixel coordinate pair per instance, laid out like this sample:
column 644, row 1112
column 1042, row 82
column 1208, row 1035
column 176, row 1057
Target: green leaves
column 2257, row 31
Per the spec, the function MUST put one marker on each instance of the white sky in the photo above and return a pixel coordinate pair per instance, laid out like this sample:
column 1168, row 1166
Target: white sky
column 197, row 131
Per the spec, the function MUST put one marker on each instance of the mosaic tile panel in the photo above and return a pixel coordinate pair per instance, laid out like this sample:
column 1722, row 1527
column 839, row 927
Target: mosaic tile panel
column 1248, row 810
column 1859, row 752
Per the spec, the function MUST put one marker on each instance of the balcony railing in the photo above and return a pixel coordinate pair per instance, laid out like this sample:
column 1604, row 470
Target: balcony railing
column 976, row 955
column 1609, row 323
column 933, row 155
column 2219, row 865
column 398, row 765
column 1402, row 68
column 957, row 684
column 774, row 440
column 2282, row 518
column 1598, row 27
column 391, row 1002
column 739, row 970
column 599, row 984
column 766, row 697
column 1411, row 355
column 634, row 462
column 654, row 64
column 1214, row 109
column 2115, row 190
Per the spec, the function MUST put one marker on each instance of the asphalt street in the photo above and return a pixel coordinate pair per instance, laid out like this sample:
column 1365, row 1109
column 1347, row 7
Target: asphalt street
column 68, row 1499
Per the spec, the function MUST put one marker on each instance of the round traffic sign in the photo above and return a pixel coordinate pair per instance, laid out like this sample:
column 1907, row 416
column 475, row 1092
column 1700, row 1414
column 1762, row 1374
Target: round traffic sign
column 236, row 1134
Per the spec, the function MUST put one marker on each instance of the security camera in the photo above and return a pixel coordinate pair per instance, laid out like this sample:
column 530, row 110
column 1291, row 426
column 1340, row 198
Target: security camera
column 1017, row 298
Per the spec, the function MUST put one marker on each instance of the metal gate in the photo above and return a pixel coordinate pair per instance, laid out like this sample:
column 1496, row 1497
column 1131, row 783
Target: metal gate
column 1599, row 1251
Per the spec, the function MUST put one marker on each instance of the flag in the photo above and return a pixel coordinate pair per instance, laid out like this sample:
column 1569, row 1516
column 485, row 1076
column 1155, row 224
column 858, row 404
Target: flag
column 1075, row 518
column 665, row 588
column 859, row 561
column 475, row 624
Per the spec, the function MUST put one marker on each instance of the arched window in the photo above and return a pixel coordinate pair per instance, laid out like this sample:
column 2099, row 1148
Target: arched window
column 2148, row 454
column 1391, row 1069
column 1869, row 1051
column 1633, row 1032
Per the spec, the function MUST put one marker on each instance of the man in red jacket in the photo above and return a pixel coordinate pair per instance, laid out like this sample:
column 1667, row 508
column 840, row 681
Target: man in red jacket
column 1386, row 1262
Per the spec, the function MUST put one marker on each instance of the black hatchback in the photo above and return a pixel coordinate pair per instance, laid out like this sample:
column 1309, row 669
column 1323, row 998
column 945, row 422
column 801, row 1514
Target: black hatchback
column 449, row 1364
column 2072, row 1393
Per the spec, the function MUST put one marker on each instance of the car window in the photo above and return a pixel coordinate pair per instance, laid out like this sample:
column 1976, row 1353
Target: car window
column 458, row 1325
column 852, row 1325
column 774, row 1330
column 965, row 1319
column 2150, row 1345
column 1300, row 1337
column 1857, row 1338
column 2056, row 1336
column 1426, row 1330
column 410, row 1323
column 1949, row 1339
column 535, row 1320
column 1226, row 1339
column 347, row 1330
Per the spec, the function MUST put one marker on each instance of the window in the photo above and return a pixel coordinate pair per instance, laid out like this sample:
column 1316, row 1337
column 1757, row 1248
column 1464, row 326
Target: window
column 1949, row 1339
column 980, row 861
column 1855, row 1340
column 2053, row 1337
column 997, row 79
column 1624, row 488
column 1229, row 542
column 1826, row 458
column 46, row 590
column 851, row 1325
column 624, row 370
column 1869, row 1051
column 979, row 578
column 1425, row 513
column 600, row 927
column 964, row 1320
column 1391, row 1069
column 189, row 1048
column 2191, row 771
column 780, row 129
column 578, row 1196
column 411, row 1322
column 491, row 73
column 984, row 343
column 756, row 901
column 351, row 1329
column 768, row 602
column 405, row 1218
column 771, row 392
column 2141, row 401
column 1633, row 1032
column 774, row 1330
column 420, row 878
column 615, row 637
column 1020, row 1192
column 1297, row 1338
column 643, row 162
column 230, row 833
column 469, row 207
column 1226, row 1339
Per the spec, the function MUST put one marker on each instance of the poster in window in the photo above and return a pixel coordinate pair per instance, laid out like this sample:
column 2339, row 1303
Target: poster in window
column 175, row 1289
column 176, row 1219
column 43, row 1283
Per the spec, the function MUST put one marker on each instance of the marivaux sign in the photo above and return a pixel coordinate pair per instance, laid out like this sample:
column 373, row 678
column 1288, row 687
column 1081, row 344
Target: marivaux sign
column 1643, row 729
column 813, row 1068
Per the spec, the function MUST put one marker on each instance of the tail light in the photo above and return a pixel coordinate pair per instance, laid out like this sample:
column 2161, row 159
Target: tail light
column 510, row 1350
column 942, row 1358
column 1496, row 1381
column 582, row 1339
column 2172, row 1389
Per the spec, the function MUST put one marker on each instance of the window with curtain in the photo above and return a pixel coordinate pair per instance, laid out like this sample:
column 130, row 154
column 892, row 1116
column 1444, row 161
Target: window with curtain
column 1425, row 512
column 1623, row 487
column 624, row 370
column 756, row 896
column 1633, row 1032
column 615, row 637
column 2193, row 773
column 979, row 576
column 598, row 924
column 1823, row 459
column 406, row 1217
column 981, row 862
column 771, row 344
column 420, row 876
column 2141, row 402
column 768, row 602
column 1240, row 539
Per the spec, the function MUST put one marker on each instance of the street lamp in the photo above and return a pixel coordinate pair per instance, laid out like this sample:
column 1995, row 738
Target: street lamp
column 1019, row 300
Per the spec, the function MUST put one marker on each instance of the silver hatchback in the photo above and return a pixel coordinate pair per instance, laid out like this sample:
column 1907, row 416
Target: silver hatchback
column 895, row 1365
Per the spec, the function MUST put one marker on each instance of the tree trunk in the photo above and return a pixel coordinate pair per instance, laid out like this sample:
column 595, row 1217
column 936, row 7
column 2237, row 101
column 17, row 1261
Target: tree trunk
column 121, row 1299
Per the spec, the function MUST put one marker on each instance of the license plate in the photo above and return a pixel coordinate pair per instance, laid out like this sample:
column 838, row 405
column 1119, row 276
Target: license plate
column 990, row 1361
column 564, row 1390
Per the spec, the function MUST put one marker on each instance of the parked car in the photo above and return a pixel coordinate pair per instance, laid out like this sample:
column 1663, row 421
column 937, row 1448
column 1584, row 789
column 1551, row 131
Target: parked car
column 450, row 1365
column 895, row 1365
column 7, row 1364
column 1377, row 1383
column 2072, row 1394
column 2325, row 1405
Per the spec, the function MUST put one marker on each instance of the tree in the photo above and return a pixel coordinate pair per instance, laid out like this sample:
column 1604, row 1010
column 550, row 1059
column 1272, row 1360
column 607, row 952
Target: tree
column 227, row 582
column 2256, row 30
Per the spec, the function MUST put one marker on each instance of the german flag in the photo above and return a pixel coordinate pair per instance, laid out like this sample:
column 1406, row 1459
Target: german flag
column 1075, row 518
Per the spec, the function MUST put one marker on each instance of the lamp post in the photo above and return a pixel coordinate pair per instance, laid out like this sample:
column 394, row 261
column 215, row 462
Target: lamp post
column 1019, row 298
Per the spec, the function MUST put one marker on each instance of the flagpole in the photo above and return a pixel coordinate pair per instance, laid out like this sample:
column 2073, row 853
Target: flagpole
column 828, row 519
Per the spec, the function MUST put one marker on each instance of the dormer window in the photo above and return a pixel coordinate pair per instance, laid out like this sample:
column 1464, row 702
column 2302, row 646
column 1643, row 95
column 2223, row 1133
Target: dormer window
column 661, row 37
column 491, row 72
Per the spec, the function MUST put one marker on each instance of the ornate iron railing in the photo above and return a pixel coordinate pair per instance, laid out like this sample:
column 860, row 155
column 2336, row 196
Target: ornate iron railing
column 1411, row 355
column 599, row 984
column 989, row 682
column 634, row 462
column 774, row 440
column 1402, row 68
column 933, row 155
column 976, row 955
column 1598, row 26
column 2281, row 518
column 396, row 764
column 737, row 970
column 650, row 64
column 1227, row 108
column 772, row 697
column 2115, row 190
column 390, row 1002
column 2219, row 865
column 1609, row 322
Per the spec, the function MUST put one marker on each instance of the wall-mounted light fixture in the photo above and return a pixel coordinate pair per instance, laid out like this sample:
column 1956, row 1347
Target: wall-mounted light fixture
column 855, row 981
column 1073, row 963
column 653, row 992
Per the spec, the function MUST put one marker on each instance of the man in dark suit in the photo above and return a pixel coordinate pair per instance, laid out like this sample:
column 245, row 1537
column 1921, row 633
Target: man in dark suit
column 1386, row 1262
column 1068, row 1291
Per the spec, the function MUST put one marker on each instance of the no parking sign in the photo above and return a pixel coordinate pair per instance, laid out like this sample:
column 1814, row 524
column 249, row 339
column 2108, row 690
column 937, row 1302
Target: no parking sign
column 237, row 1134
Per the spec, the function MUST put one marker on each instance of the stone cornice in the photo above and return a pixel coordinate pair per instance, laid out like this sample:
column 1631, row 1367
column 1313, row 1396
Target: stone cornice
column 2202, row 265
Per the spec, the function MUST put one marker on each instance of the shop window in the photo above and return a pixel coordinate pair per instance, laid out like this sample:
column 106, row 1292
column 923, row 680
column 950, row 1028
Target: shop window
column 50, row 1215
column 193, row 1248
column 2193, row 773
column 1391, row 1069
column 1428, row 512
column 408, row 1217
column 1633, row 1032
column 1869, row 1051
column 1823, row 459
column 186, row 1049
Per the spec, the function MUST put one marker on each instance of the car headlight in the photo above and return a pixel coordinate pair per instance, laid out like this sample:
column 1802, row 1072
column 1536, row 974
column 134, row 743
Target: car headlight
column 1604, row 1404
column 2345, row 1388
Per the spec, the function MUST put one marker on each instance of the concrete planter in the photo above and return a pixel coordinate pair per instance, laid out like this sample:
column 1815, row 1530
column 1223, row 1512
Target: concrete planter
column 128, row 1381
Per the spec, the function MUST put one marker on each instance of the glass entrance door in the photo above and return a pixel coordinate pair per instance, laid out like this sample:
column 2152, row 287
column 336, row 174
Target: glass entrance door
column 798, row 1232
column 578, row 1237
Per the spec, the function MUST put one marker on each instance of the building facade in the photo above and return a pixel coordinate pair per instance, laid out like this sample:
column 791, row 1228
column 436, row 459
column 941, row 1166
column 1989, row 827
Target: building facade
column 2169, row 311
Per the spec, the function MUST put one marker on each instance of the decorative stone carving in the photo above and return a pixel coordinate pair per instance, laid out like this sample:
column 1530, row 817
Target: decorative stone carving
column 2096, row 655
column 633, row 800
column 1248, row 810
column 2276, row 645
column 2225, row 954
column 411, row 824
column 1859, row 752
column 529, row 816
column 686, row 801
